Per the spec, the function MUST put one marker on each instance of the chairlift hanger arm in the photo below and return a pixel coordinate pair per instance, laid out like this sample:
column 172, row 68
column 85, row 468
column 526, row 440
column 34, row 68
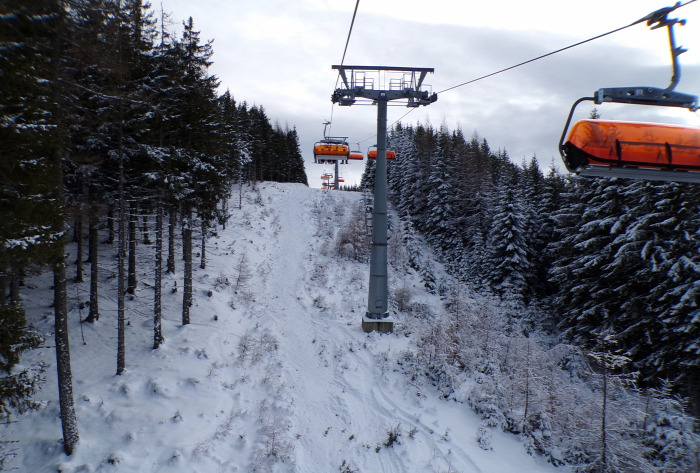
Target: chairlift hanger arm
column 646, row 96
column 659, row 19
column 652, row 95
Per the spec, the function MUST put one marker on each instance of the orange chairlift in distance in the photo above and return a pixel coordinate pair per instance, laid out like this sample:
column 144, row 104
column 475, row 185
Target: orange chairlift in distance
column 372, row 153
column 330, row 149
column 356, row 155
column 657, row 151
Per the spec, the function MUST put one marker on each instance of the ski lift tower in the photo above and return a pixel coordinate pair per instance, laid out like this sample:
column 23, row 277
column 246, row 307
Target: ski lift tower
column 378, row 85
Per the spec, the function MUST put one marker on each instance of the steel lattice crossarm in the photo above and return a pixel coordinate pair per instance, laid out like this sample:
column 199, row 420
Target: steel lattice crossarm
column 386, row 83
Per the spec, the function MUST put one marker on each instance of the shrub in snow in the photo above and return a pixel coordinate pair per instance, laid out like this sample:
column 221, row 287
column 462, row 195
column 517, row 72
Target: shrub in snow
column 393, row 436
column 346, row 467
column 669, row 435
column 7, row 453
column 256, row 344
column 243, row 274
column 275, row 442
column 402, row 297
column 484, row 437
column 17, row 385
column 221, row 282
column 352, row 241
column 201, row 450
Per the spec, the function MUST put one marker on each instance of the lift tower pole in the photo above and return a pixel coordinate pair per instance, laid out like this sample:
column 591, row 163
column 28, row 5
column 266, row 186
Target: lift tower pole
column 404, row 83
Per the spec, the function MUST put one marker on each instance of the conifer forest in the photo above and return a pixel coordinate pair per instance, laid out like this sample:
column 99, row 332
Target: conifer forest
column 113, row 131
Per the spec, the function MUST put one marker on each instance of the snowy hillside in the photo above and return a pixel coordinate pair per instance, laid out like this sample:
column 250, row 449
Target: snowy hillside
column 273, row 374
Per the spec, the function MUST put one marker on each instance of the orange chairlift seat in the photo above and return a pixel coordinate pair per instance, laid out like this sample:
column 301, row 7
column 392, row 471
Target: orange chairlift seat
column 356, row 155
column 330, row 150
column 632, row 144
column 372, row 153
column 657, row 151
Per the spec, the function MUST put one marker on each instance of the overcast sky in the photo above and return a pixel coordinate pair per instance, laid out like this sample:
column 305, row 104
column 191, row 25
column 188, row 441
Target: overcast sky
column 278, row 54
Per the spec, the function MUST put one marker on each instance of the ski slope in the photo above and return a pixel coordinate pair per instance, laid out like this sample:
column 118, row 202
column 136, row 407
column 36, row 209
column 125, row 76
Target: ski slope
column 274, row 374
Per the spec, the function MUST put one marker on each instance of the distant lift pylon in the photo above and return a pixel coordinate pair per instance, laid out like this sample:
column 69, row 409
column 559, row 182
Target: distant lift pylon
column 656, row 151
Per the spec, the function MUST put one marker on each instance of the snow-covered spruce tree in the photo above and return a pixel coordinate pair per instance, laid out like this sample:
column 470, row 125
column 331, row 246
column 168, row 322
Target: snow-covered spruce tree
column 541, row 196
column 229, row 150
column 588, row 297
column 668, row 432
column 476, row 202
column 459, row 203
column 400, row 175
column 625, row 257
column 672, row 256
column 195, row 158
column 367, row 179
column 441, row 219
column 634, row 276
column 261, row 151
column 509, row 265
column 426, row 148
column 291, row 161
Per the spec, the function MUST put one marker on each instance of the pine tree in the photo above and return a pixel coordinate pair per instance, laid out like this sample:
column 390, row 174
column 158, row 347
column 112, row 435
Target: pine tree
column 440, row 219
column 201, row 186
column 580, row 274
column 507, row 246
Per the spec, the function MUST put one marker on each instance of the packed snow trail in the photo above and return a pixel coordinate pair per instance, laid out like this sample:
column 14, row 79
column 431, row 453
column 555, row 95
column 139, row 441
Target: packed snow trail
column 274, row 374
column 344, row 401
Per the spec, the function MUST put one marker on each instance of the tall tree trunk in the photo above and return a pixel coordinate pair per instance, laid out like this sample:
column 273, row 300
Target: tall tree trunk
column 77, row 224
column 65, row 376
column 224, row 207
column 121, row 255
column 110, row 223
column 203, row 259
column 603, row 422
column 78, row 235
column 187, row 254
column 527, row 384
column 144, row 228
column 157, row 308
column 14, row 285
column 172, row 222
column 69, row 423
column 3, row 284
column 133, row 219
column 94, row 313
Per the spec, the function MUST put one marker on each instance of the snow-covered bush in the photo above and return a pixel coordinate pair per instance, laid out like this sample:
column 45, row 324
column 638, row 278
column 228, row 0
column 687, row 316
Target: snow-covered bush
column 17, row 385
column 352, row 241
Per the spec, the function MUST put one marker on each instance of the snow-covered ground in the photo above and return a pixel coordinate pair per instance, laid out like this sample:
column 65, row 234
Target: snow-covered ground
column 273, row 375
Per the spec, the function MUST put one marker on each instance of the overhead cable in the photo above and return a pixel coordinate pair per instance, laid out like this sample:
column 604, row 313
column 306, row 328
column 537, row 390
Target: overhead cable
column 345, row 50
column 647, row 18
column 641, row 20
